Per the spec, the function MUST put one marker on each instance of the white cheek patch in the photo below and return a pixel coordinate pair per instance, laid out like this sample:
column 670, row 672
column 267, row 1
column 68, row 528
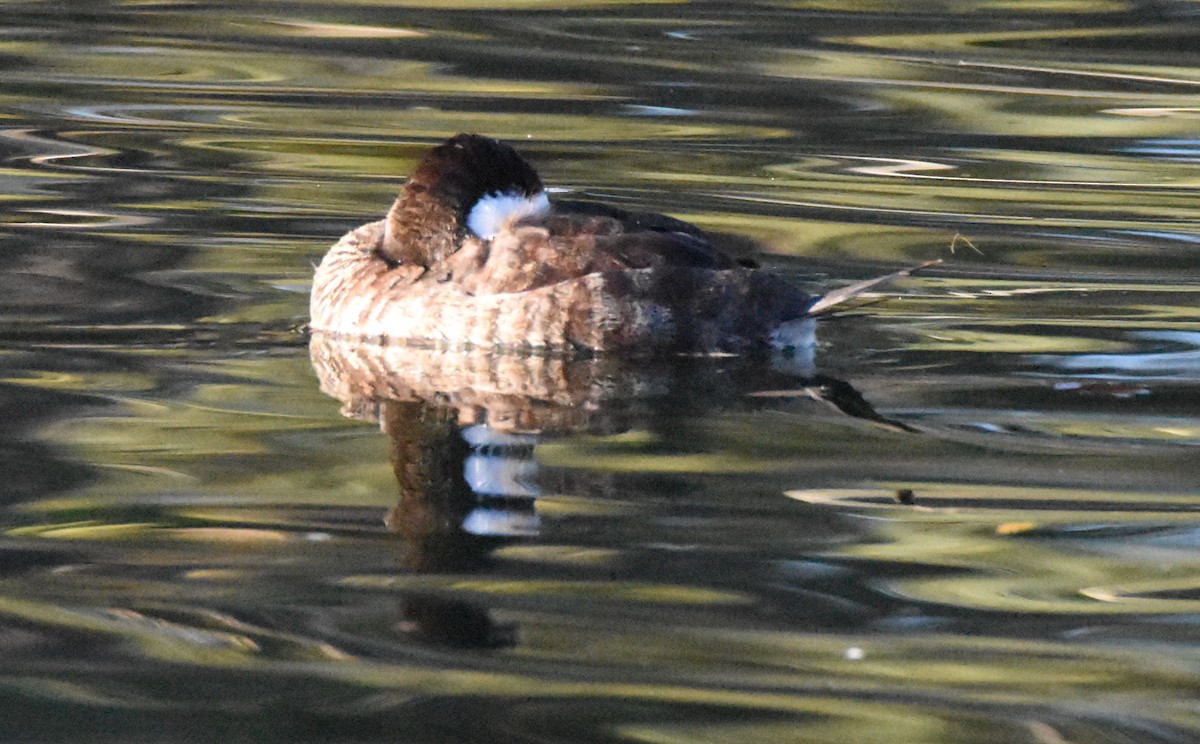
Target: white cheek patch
column 493, row 212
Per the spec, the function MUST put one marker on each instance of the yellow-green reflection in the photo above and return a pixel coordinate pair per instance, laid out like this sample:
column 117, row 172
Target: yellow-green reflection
column 624, row 592
column 959, row 7
column 218, row 520
column 1027, row 550
column 152, row 446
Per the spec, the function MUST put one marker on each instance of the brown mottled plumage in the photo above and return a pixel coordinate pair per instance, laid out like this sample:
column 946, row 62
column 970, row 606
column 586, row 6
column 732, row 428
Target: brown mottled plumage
column 553, row 278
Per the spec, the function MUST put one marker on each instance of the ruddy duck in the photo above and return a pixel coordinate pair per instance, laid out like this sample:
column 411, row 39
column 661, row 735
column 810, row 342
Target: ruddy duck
column 473, row 254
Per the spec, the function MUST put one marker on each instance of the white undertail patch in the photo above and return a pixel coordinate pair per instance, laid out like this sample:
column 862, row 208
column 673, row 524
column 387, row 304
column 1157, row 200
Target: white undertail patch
column 494, row 212
column 795, row 336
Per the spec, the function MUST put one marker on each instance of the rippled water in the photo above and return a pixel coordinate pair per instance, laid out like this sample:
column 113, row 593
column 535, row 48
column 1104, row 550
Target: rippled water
column 975, row 519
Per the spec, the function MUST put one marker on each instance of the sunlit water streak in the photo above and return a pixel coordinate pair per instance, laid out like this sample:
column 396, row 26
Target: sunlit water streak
column 194, row 541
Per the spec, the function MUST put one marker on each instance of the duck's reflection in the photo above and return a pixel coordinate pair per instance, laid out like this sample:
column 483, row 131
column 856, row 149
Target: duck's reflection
column 436, row 502
column 455, row 506
column 456, row 623
column 463, row 428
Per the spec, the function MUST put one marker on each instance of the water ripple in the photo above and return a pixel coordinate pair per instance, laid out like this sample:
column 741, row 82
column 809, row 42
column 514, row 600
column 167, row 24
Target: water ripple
column 195, row 541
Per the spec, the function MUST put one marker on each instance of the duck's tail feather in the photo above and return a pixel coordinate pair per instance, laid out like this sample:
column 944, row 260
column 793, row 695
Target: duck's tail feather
column 840, row 296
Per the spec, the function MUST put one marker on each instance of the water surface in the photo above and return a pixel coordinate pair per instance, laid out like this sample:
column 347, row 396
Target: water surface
column 972, row 517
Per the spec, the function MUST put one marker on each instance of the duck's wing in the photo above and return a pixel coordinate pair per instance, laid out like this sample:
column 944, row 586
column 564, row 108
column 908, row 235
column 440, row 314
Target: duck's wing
column 639, row 239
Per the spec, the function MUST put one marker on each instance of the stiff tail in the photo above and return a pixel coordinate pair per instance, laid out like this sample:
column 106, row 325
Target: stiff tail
column 840, row 296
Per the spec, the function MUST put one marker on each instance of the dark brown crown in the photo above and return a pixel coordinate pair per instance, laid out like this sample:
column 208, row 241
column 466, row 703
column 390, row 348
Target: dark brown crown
column 428, row 220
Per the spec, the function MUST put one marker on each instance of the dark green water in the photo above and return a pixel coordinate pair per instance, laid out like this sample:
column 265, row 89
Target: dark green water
column 196, row 545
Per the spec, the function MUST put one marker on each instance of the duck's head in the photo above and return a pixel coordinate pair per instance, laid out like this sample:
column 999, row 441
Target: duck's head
column 468, row 185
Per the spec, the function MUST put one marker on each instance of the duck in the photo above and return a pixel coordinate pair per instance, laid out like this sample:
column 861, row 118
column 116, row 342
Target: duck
column 474, row 254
